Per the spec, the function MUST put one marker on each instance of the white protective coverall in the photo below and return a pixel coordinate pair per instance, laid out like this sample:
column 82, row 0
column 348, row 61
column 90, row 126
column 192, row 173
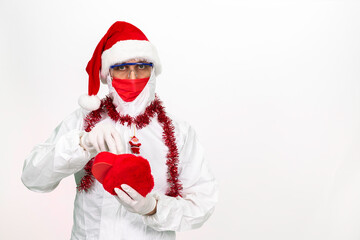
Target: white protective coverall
column 97, row 214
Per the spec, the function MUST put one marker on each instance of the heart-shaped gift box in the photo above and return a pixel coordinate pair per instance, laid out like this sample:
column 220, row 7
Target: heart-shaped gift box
column 113, row 170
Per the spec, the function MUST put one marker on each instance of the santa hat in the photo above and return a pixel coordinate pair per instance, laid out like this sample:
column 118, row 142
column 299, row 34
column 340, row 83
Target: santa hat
column 122, row 42
column 113, row 170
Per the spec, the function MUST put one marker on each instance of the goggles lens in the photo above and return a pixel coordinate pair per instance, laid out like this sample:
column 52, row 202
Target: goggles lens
column 122, row 71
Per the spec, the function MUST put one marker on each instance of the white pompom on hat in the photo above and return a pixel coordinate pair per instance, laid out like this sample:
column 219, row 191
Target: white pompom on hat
column 122, row 42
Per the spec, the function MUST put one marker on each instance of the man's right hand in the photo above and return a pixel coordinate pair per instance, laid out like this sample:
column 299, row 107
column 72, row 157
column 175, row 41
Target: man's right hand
column 103, row 137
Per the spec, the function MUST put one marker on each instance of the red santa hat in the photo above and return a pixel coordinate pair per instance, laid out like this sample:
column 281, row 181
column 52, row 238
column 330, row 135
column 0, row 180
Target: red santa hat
column 122, row 42
column 113, row 170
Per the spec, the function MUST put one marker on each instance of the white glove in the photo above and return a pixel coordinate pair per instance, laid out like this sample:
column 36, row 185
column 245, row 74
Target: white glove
column 103, row 137
column 136, row 203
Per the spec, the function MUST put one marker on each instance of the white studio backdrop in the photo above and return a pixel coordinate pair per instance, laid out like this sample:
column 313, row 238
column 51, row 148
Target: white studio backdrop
column 272, row 88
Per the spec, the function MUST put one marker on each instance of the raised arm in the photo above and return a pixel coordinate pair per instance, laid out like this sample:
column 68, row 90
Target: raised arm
column 58, row 157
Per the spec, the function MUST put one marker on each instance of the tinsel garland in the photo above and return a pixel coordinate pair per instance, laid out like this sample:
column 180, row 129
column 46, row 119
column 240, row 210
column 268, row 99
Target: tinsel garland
column 140, row 121
column 173, row 153
column 88, row 179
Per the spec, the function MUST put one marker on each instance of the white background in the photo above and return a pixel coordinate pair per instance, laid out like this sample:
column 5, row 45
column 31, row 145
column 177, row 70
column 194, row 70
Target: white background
column 272, row 88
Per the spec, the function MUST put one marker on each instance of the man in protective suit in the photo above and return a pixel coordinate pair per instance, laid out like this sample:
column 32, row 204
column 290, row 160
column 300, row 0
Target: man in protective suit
column 130, row 120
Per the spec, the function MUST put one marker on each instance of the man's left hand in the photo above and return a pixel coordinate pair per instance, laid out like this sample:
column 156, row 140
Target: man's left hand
column 136, row 203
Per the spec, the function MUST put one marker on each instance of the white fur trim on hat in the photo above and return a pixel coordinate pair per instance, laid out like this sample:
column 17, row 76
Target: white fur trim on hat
column 128, row 49
column 89, row 103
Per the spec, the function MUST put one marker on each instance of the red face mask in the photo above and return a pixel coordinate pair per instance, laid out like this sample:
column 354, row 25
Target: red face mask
column 129, row 89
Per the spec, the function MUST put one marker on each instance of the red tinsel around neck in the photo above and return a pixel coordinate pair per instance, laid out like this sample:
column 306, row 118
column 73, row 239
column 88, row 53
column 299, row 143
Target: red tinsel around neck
column 140, row 121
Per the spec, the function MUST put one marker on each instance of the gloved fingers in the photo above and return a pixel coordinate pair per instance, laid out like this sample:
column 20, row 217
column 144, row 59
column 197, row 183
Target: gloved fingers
column 101, row 142
column 118, row 143
column 132, row 192
column 117, row 197
column 119, row 200
column 126, row 206
column 110, row 142
column 123, row 196
column 93, row 141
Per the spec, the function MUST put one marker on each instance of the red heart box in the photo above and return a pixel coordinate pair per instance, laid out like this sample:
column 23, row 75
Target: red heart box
column 113, row 170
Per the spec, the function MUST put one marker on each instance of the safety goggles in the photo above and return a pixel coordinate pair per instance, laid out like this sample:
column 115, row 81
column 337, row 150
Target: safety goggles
column 123, row 71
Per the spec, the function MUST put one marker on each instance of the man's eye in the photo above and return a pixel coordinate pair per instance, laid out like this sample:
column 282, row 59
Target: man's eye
column 141, row 66
column 119, row 68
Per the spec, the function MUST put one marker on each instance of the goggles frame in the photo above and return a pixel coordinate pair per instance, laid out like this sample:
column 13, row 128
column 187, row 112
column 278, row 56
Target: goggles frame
column 129, row 64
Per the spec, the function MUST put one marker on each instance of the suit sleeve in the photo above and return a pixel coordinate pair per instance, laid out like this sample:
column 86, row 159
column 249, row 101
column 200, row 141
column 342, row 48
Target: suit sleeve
column 58, row 157
column 199, row 195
